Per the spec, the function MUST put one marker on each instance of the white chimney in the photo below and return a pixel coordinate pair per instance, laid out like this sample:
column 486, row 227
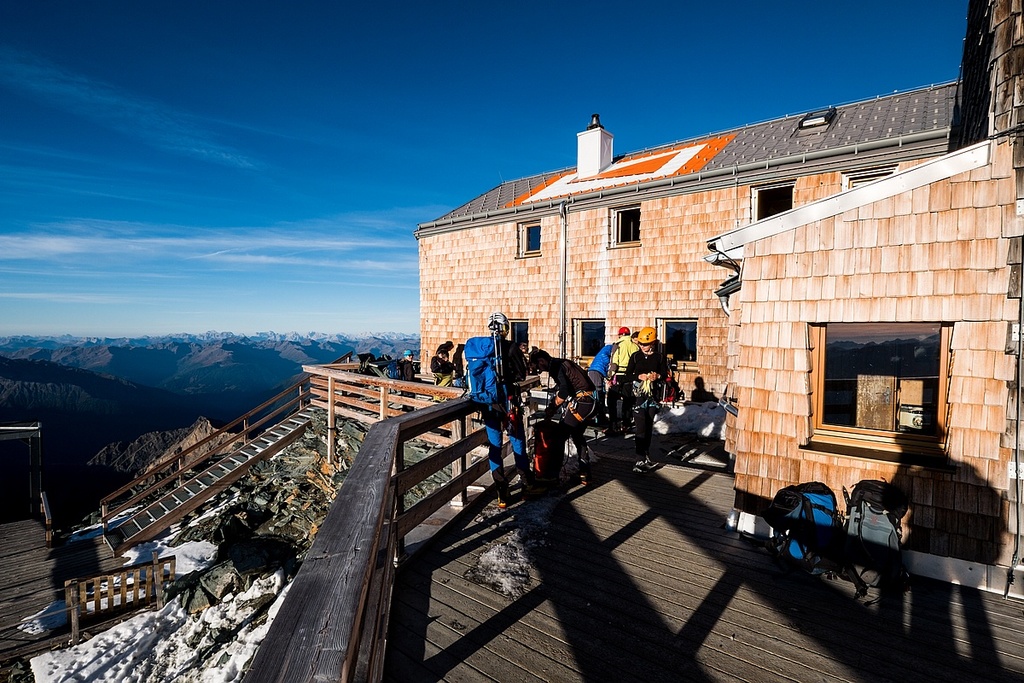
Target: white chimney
column 593, row 149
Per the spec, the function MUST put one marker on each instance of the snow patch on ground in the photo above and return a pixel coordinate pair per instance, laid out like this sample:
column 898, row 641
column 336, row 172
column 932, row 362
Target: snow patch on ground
column 706, row 420
column 170, row 645
column 507, row 566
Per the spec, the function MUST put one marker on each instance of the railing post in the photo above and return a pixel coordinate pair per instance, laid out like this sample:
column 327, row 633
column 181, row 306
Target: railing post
column 157, row 571
column 400, row 503
column 331, row 422
column 383, row 402
column 71, row 601
column 459, row 466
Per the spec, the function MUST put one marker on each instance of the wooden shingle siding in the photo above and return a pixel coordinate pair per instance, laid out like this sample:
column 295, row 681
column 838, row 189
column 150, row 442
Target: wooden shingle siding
column 938, row 253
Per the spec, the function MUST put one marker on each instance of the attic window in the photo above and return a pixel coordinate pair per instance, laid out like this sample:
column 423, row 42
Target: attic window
column 817, row 118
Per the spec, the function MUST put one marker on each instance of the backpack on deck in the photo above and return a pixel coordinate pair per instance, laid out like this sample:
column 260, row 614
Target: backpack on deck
column 482, row 380
column 549, row 439
column 873, row 532
column 805, row 523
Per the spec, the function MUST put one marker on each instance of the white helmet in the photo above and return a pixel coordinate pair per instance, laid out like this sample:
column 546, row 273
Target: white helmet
column 498, row 322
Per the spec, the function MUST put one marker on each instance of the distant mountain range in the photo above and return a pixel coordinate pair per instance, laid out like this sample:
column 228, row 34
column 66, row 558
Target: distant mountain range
column 90, row 392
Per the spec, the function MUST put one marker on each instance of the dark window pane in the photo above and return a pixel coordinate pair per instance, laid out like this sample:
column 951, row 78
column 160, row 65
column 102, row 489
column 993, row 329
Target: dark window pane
column 774, row 200
column 520, row 331
column 591, row 337
column 628, row 225
column 533, row 238
column 681, row 340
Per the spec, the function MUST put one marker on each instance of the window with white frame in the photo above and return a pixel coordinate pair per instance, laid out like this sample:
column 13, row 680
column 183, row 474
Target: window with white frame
column 858, row 178
column 529, row 239
column 626, row 226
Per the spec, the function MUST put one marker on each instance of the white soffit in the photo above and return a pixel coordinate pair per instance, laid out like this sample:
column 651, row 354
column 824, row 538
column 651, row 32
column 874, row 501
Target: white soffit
column 968, row 159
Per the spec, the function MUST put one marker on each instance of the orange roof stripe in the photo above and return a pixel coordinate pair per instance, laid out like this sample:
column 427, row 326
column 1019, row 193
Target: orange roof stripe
column 682, row 159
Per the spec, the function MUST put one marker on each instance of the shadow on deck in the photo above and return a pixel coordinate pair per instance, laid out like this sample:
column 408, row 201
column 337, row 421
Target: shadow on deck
column 635, row 578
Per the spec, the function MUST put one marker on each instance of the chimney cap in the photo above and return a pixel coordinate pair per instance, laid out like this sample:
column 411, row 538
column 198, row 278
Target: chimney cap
column 595, row 122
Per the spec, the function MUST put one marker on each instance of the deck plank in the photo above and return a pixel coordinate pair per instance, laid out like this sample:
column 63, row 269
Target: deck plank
column 636, row 578
column 32, row 577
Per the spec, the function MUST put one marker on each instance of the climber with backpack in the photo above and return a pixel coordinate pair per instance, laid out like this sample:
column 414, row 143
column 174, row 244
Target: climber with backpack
column 576, row 394
column 494, row 368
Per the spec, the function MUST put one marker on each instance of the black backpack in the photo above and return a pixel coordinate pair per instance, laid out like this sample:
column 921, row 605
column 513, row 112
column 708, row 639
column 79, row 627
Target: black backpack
column 806, row 526
column 872, row 554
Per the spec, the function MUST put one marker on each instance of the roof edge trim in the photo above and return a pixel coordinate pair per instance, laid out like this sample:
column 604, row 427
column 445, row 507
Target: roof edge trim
column 730, row 244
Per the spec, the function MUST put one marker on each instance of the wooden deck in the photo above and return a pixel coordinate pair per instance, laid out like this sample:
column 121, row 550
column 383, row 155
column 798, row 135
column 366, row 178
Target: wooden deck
column 635, row 578
column 32, row 577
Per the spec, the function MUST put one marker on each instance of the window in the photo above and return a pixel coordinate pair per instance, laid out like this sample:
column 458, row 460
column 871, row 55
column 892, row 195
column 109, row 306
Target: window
column 880, row 386
column 589, row 338
column 529, row 239
column 520, row 331
column 852, row 180
column 680, row 343
column 772, row 200
column 626, row 226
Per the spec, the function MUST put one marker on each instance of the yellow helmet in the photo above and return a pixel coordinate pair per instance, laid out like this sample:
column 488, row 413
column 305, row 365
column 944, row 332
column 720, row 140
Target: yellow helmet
column 648, row 335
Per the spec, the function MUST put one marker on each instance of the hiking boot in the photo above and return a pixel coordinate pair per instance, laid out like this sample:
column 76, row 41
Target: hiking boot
column 644, row 466
column 584, row 474
column 503, row 496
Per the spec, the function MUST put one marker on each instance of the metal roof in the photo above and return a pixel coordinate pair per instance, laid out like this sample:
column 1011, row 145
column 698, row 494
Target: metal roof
column 925, row 114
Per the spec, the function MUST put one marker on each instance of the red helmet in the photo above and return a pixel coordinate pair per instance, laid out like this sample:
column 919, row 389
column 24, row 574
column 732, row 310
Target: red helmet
column 623, row 330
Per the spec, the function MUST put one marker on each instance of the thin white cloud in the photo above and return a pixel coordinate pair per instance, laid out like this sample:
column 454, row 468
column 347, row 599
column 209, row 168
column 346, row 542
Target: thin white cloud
column 68, row 297
column 150, row 121
column 271, row 245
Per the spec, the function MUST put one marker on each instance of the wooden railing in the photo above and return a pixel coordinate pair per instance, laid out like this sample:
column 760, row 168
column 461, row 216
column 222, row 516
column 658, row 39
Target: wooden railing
column 139, row 585
column 171, row 469
column 333, row 622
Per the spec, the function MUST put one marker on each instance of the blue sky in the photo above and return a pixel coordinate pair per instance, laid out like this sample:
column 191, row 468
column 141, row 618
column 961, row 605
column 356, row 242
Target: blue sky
column 252, row 166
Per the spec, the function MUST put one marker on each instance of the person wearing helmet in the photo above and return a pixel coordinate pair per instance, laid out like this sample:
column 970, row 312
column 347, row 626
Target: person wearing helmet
column 510, row 418
column 646, row 371
column 406, row 367
column 621, row 352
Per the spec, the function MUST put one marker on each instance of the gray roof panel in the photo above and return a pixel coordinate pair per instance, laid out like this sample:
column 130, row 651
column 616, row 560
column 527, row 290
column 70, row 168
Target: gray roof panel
column 890, row 117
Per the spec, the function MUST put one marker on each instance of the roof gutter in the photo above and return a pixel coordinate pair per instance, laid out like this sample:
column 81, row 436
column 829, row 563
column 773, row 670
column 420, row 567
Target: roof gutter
column 726, row 176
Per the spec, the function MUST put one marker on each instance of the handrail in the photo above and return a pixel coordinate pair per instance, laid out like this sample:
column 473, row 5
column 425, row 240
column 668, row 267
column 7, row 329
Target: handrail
column 333, row 622
column 180, row 459
column 162, row 464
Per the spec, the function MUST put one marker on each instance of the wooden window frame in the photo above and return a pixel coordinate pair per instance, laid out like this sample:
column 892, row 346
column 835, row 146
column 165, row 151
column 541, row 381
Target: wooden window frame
column 874, row 443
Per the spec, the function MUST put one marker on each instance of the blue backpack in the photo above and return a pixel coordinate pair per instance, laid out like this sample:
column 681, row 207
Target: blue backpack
column 806, row 528
column 392, row 370
column 484, row 385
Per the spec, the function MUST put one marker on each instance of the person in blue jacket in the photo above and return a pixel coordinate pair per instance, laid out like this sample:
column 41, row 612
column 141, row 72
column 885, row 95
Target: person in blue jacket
column 597, row 371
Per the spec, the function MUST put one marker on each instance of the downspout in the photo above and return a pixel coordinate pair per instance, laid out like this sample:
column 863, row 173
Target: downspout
column 1015, row 479
column 563, row 213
